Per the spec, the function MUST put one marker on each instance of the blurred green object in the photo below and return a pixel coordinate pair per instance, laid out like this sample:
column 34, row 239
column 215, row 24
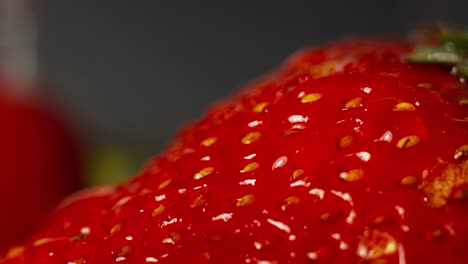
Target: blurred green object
column 112, row 163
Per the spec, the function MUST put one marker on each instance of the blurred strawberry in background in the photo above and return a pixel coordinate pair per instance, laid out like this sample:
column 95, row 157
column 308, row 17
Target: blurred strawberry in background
column 40, row 160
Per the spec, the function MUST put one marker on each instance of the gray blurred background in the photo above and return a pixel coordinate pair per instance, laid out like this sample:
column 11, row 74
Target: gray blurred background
column 138, row 70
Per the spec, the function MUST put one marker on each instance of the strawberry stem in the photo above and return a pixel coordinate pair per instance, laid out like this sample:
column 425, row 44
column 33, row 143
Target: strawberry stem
column 452, row 50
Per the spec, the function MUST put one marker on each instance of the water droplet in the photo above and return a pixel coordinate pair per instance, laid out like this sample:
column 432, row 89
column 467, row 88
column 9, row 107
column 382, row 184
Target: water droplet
column 224, row 216
column 172, row 238
column 279, row 162
column 280, row 225
column 254, row 123
column 119, row 259
column 248, row 182
column 461, row 152
column 293, row 119
column 250, row 156
column 159, row 198
column 317, row 192
column 257, row 245
column 364, row 156
column 387, row 137
column 367, row 90
column 151, row 260
column 85, row 230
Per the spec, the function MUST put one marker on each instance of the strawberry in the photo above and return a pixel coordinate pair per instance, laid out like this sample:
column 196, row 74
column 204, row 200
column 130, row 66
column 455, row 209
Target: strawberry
column 39, row 163
column 345, row 154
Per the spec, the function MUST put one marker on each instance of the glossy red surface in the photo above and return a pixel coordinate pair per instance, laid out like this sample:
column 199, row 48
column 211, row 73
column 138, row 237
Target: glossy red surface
column 39, row 164
column 345, row 154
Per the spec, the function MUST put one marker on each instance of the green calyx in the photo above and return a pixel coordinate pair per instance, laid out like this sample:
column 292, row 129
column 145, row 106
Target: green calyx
column 452, row 50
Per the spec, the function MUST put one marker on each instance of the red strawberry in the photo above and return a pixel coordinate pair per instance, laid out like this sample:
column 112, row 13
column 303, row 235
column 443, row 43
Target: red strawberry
column 346, row 154
column 39, row 163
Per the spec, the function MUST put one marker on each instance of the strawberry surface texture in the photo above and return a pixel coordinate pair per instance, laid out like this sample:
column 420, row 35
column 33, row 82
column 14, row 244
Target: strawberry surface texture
column 344, row 154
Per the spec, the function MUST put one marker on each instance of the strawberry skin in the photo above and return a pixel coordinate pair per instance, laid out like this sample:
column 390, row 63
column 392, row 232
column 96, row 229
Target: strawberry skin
column 345, row 154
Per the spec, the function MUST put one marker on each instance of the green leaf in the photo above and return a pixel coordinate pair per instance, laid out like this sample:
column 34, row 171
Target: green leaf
column 425, row 54
column 455, row 40
column 462, row 69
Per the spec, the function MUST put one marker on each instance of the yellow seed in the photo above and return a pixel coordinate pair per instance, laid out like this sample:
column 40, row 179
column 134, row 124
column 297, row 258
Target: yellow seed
column 311, row 97
column 260, row 107
column 324, row 217
column 124, row 251
column 116, row 228
column 346, row 141
column 199, row 200
column 408, row 180
column 437, row 233
column 245, row 200
column 297, row 173
column 209, row 141
column 250, row 137
column 204, row 172
column 461, row 152
column 353, row 103
column 352, row 175
column 463, row 101
column 290, row 201
column 375, row 244
column 404, row 106
column 158, row 210
column 379, row 219
column 78, row 261
column 164, row 184
column 425, row 85
column 15, row 252
column 408, row 141
column 250, row 167
column 43, row 241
